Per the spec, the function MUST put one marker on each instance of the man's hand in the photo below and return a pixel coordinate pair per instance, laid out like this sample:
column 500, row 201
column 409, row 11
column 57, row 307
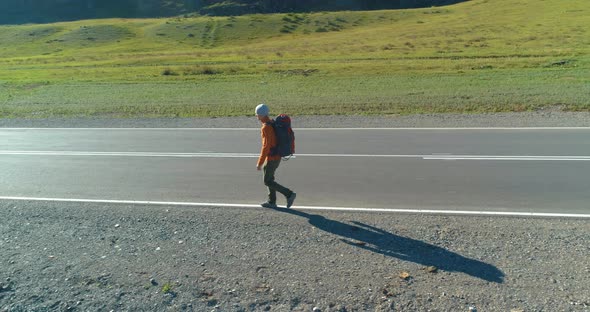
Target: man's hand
column 258, row 168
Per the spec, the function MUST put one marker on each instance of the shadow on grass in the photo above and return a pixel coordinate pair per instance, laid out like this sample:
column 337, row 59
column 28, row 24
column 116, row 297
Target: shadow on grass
column 404, row 248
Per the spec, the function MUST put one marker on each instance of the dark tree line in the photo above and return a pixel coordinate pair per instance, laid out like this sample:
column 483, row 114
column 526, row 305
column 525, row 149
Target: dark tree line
column 40, row 11
column 267, row 6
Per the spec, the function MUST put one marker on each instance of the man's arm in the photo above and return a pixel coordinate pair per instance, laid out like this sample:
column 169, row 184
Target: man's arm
column 265, row 150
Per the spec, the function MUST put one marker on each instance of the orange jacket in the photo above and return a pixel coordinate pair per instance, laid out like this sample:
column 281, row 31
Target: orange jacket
column 269, row 141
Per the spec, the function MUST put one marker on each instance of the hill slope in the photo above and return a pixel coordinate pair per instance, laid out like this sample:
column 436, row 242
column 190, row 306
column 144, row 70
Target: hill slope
column 472, row 32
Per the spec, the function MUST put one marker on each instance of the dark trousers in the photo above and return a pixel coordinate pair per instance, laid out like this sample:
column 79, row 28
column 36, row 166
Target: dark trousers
column 269, row 180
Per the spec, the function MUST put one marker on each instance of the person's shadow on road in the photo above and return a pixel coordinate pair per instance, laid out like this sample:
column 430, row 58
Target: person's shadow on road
column 404, row 248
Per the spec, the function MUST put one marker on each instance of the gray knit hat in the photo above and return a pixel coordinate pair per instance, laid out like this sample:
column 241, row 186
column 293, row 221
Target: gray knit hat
column 262, row 110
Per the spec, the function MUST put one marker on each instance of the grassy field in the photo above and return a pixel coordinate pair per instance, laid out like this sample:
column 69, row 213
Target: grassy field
column 478, row 56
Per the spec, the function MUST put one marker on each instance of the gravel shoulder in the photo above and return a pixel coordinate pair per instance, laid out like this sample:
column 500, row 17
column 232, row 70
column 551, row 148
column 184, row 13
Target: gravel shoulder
column 99, row 257
column 528, row 119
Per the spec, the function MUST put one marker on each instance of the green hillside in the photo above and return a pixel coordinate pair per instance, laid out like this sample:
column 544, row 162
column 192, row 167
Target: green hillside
column 477, row 56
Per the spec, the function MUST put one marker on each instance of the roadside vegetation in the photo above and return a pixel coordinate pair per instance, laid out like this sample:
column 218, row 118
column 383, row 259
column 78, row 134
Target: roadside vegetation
column 473, row 57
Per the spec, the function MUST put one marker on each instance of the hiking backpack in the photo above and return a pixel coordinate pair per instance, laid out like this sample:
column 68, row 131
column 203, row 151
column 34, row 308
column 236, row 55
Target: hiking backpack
column 285, row 137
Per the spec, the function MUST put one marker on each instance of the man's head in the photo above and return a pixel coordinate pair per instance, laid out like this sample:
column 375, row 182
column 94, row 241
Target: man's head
column 262, row 112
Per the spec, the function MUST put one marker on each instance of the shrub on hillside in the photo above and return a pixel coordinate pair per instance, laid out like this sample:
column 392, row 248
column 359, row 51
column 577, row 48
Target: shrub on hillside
column 169, row 72
column 201, row 70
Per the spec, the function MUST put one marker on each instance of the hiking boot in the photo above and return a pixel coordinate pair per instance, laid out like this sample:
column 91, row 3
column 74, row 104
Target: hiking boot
column 291, row 199
column 268, row 205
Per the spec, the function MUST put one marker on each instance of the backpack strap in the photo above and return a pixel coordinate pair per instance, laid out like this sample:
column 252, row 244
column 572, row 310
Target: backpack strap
column 273, row 150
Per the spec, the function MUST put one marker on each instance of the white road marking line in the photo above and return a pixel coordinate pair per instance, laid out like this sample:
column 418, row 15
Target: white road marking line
column 252, row 155
column 459, row 157
column 455, row 128
column 351, row 209
column 538, row 158
column 129, row 154
column 254, row 128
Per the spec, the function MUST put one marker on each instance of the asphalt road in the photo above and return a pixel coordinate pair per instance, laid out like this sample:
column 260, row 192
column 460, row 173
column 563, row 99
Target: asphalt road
column 532, row 170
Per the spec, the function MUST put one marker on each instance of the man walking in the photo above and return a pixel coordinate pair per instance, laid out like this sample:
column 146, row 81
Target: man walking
column 269, row 161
